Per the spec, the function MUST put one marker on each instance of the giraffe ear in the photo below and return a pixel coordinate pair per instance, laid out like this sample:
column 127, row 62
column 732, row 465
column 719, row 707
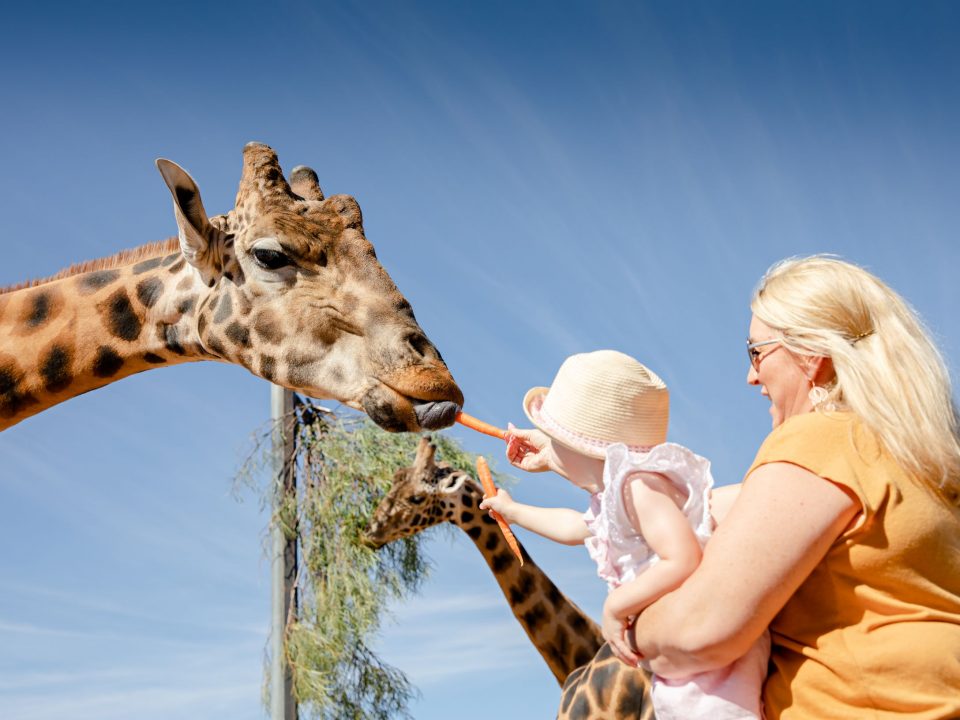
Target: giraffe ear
column 195, row 231
column 452, row 483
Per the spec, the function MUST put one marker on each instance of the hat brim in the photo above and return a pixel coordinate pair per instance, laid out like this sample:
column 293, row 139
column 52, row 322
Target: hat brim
column 532, row 404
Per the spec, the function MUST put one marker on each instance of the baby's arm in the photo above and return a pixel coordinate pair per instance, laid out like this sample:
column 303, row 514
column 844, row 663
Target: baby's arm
column 661, row 522
column 561, row 525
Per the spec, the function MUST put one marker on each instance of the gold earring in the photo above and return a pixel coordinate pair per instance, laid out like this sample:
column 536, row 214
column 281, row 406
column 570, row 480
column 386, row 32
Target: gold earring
column 817, row 395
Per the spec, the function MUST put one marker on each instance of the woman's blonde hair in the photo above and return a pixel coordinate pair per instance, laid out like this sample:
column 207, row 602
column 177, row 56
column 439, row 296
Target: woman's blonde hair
column 888, row 370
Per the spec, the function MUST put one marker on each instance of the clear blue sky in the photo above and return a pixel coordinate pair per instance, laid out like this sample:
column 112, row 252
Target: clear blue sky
column 540, row 178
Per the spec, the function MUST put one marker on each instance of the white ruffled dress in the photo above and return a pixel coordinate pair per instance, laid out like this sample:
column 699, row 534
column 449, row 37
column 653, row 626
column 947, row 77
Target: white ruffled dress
column 622, row 553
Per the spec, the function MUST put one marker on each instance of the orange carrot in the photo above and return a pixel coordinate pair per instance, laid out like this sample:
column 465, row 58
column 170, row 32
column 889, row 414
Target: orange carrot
column 480, row 426
column 489, row 490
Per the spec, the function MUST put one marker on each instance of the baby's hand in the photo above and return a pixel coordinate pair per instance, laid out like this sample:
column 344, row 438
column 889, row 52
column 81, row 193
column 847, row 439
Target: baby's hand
column 500, row 503
column 528, row 449
column 615, row 632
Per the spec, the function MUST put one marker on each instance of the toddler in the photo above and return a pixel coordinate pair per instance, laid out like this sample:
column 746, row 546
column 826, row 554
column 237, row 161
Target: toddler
column 602, row 425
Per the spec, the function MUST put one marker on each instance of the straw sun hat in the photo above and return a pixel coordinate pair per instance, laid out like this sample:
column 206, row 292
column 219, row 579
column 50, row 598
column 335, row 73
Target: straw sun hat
column 601, row 398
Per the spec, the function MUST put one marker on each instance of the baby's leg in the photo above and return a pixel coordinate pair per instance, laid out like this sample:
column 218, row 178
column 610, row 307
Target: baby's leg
column 722, row 499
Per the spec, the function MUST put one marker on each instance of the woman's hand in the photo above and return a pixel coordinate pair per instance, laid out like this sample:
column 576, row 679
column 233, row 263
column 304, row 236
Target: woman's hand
column 528, row 449
column 501, row 503
column 615, row 632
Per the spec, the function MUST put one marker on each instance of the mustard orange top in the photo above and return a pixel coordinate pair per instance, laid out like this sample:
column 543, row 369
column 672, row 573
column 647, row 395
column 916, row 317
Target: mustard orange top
column 874, row 631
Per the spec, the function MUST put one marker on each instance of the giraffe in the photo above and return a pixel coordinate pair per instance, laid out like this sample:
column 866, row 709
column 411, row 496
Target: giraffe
column 285, row 284
column 595, row 684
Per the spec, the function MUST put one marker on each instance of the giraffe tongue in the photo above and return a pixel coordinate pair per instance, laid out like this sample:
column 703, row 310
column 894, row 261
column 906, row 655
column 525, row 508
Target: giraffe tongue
column 436, row 415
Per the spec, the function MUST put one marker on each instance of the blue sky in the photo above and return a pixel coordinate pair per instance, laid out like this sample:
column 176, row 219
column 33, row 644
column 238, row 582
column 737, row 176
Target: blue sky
column 539, row 178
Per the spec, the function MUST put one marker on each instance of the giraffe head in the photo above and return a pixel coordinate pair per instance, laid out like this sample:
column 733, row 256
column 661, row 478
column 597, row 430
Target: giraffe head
column 421, row 496
column 295, row 294
column 429, row 493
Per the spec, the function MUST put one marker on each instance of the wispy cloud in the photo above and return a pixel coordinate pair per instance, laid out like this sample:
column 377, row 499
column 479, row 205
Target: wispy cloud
column 449, row 605
column 81, row 602
column 447, row 647
column 30, row 629
column 163, row 703
column 200, row 681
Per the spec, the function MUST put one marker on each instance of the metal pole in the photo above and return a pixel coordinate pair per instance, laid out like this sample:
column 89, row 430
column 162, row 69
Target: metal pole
column 283, row 560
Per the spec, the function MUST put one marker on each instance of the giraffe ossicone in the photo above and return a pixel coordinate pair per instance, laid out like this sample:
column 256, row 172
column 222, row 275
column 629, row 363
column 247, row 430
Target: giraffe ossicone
column 595, row 684
column 285, row 284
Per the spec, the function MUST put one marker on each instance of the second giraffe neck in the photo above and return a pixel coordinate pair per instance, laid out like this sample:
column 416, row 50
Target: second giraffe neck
column 564, row 635
column 68, row 336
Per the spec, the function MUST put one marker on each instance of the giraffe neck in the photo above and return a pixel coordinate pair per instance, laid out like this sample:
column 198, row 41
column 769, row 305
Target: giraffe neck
column 606, row 689
column 73, row 334
column 563, row 634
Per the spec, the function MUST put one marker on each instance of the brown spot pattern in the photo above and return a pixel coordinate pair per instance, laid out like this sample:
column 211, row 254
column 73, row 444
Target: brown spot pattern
column 107, row 362
column 55, row 369
column 119, row 316
column 13, row 398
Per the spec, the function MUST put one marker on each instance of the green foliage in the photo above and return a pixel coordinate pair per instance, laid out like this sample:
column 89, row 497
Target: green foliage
column 344, row 466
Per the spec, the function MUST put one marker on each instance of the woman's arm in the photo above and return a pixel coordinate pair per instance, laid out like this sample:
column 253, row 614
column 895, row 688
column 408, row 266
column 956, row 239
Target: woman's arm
column 561, row 525
column 780, row 527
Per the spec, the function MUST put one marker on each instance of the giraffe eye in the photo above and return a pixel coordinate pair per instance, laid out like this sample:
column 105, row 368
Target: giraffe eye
column 417, row 499
column 271, row 259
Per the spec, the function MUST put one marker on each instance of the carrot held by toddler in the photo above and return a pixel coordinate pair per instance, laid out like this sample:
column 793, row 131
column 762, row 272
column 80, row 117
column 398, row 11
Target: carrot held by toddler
column 489, row 490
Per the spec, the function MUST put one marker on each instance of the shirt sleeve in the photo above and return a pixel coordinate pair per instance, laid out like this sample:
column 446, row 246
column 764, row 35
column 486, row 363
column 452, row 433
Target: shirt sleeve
column 836, row 447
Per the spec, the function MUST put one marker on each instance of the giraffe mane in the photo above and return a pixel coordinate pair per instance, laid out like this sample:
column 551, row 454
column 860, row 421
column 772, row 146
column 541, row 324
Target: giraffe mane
column 124, row 257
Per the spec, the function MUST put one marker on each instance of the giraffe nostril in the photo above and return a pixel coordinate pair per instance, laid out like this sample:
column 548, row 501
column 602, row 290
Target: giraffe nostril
column 420, row 345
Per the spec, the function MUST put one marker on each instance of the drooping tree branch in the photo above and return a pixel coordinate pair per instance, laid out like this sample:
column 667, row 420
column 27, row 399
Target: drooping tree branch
column 344, row 466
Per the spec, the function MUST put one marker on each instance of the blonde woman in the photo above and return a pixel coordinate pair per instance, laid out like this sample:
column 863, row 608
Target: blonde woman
column 845, row 535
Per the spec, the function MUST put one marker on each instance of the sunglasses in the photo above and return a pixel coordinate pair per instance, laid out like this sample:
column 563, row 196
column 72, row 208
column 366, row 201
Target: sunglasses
column 756, row 357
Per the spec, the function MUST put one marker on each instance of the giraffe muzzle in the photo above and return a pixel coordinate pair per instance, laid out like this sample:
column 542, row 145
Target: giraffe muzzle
column 436, row 415
column 396, row 412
